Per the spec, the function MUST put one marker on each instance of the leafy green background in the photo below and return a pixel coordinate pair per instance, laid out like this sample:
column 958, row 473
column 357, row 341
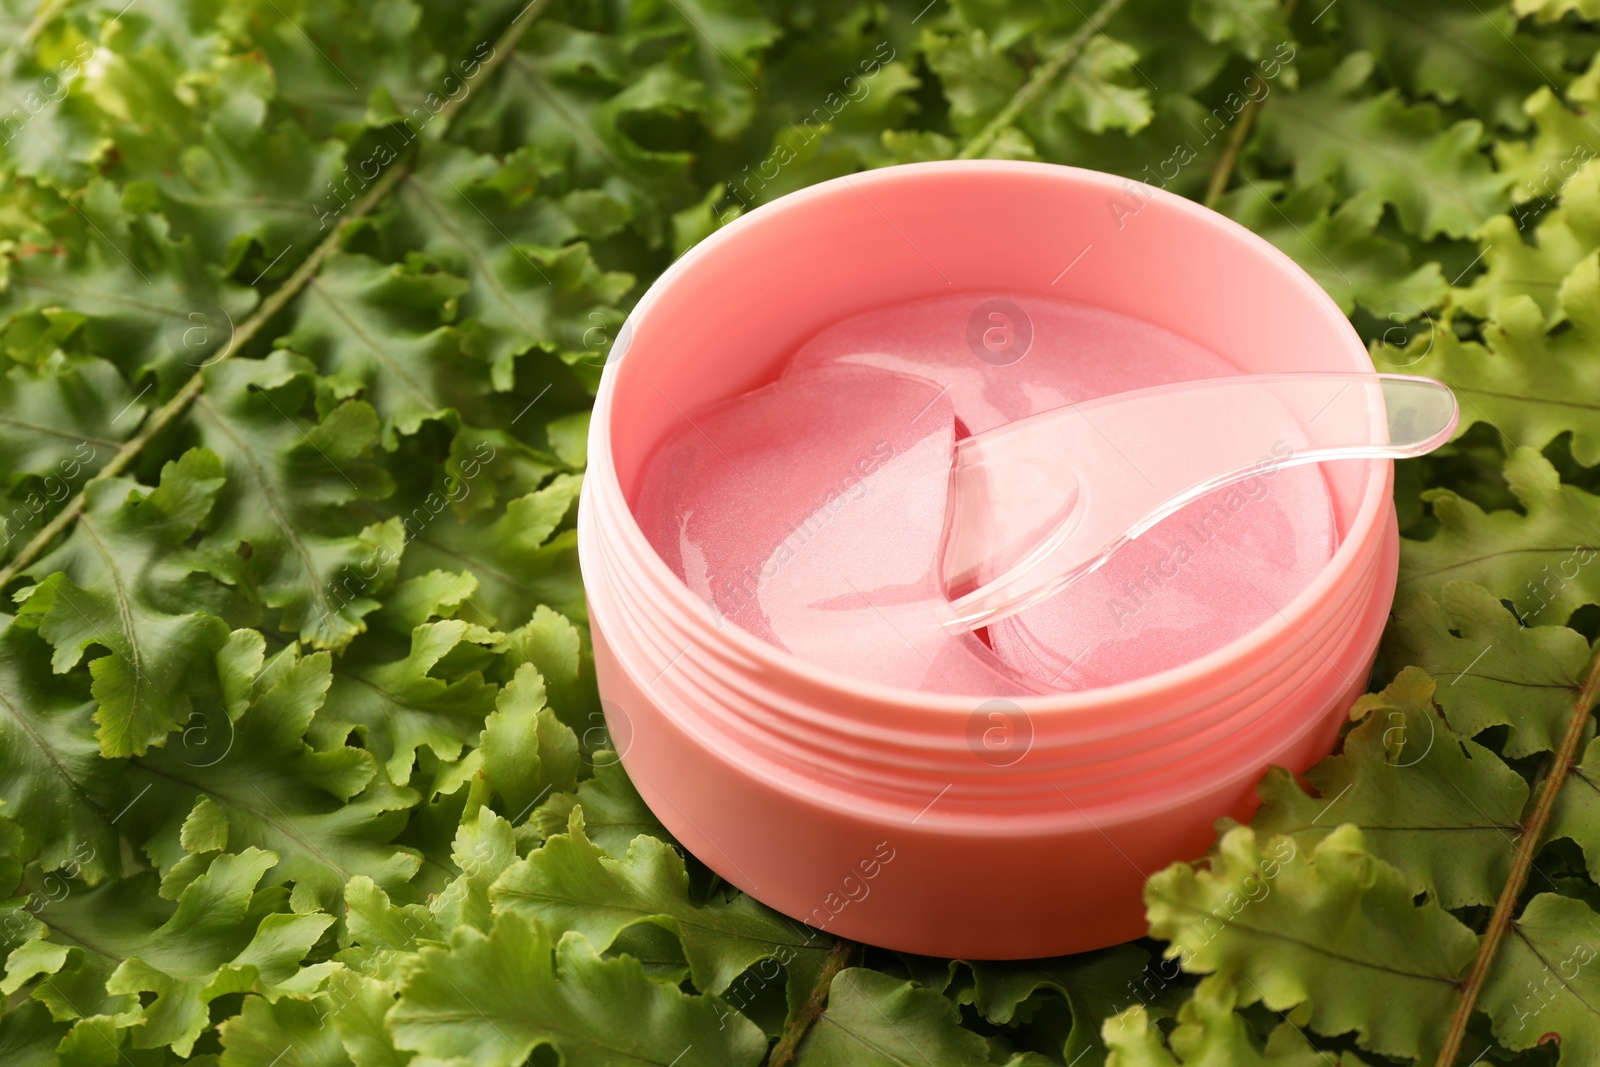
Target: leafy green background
column 302, row 307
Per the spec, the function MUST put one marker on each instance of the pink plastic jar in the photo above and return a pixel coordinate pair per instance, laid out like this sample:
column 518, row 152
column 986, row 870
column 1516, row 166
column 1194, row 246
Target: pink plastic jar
column 939, row 824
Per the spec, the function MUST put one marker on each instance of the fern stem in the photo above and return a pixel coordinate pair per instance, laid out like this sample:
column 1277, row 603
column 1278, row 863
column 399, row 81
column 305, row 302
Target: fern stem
column 1532, row 831
column 1222, row 172
column 274, row 303
column 1043, row 75
column 185, row 396
column 783, row 1052
column 45, row 15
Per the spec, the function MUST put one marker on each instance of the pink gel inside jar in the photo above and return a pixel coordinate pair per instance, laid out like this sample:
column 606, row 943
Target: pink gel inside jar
column 810, row 511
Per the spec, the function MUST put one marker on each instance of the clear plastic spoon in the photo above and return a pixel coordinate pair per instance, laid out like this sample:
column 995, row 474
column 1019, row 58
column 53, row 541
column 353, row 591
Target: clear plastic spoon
column 1037, row 504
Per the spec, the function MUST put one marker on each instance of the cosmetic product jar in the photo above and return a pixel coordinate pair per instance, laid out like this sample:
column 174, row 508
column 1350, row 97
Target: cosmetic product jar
column 928, row 823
